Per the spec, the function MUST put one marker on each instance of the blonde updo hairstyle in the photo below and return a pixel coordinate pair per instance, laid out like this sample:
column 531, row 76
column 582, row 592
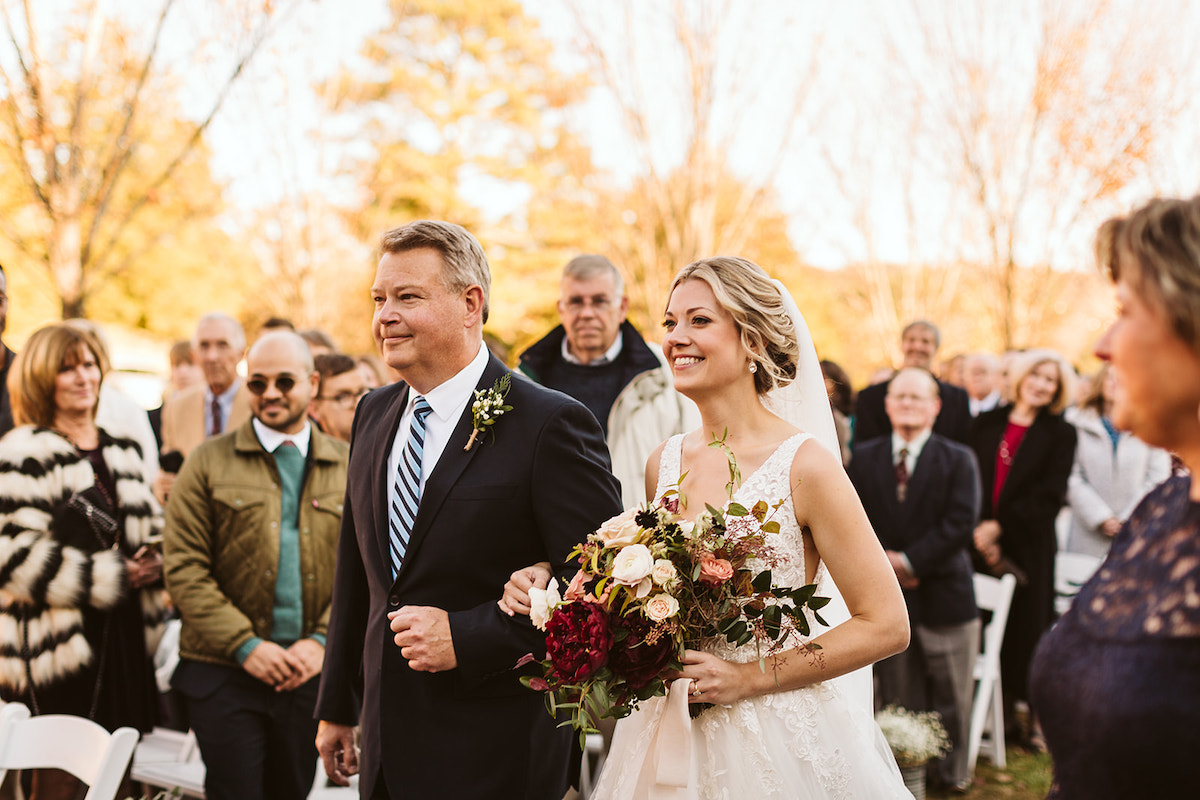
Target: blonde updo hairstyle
column 745, row 291
column 1156, row 251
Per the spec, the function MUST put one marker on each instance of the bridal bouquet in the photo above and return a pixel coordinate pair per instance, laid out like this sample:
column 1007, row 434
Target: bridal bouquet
column 651, row 584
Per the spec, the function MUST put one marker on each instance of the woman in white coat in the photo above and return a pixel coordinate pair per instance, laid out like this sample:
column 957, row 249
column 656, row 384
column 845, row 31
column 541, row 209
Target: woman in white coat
column 1113, row 471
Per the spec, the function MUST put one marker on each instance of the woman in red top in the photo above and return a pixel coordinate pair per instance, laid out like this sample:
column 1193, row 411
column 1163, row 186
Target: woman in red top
column 1025, row 451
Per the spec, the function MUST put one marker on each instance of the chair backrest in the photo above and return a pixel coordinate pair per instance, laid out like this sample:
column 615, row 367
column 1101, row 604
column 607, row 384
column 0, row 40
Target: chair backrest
column 1071, row 571
column 994, row 595
column 74, row 744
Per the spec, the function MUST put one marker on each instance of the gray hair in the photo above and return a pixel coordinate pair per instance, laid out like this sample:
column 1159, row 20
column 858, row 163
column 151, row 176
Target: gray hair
column 925, row 325
column 464, row 263
column 589, row 265
column 239, row 333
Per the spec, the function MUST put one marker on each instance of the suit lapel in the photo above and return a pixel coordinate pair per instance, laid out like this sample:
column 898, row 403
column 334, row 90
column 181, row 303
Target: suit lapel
column 450, row 466
column 1029, row 456
column 919, row 480
column 381, row 479
column 885, row 474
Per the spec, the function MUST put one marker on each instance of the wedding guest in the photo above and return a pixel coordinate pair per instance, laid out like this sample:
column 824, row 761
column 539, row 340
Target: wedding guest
column 81, row 578
column 1025, row 450
column 1115, row 680
column 1113, row 470
column 841, row 402
column 982, row 382
column 919, row 344
column 952, row 369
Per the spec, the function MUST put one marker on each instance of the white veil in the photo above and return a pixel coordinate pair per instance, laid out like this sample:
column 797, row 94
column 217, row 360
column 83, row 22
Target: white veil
column 805, row 404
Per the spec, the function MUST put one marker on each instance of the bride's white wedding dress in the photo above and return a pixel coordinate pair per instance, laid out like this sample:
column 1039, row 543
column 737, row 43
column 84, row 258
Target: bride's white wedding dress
column 810, row 743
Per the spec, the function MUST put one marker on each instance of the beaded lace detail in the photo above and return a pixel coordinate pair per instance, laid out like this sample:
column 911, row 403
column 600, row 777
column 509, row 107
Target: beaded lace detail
column 1149, row 585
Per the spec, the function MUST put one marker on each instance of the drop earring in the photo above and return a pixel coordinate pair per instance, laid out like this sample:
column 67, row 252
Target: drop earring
column 753, row 367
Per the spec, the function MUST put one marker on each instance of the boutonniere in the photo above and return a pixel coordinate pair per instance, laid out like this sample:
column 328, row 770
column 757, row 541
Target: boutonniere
column 488, row 406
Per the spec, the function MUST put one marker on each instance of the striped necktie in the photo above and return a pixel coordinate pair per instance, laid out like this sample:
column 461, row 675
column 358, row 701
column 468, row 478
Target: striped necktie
column 406, row 491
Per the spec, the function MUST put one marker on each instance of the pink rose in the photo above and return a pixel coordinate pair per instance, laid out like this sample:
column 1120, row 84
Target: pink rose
column 715, row 571
column 578, row 588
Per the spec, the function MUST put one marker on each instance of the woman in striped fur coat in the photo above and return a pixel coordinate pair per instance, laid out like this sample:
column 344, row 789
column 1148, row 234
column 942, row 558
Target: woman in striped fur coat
column 80, row 572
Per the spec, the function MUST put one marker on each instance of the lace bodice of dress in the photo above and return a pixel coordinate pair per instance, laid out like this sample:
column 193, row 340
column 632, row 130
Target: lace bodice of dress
column 1149, row 586
column 770, row 482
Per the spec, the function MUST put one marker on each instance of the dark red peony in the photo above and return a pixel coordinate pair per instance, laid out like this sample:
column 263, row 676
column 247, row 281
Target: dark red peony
column 635, row 660
column 578, row 640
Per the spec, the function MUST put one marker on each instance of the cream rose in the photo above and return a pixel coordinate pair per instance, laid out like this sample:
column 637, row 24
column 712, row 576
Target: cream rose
column 661, row 606
column 632, row 565
column 542, row 603
column 621, row 530
column 663, row 571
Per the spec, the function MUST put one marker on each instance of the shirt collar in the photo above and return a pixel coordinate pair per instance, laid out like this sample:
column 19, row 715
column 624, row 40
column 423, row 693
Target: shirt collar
column 449, row 397
column 914, row 447
column 610, row 355
column 271, row 439
column 225, row 398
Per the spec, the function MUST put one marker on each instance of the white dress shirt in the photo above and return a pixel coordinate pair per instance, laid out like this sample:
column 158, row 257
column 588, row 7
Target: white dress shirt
column 448, row 400
column 610, row 355
column 914, row 449
column 985, row 404
column 271, row 439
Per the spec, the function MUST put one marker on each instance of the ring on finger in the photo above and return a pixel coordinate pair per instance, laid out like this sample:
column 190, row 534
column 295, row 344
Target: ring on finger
column 696, row 693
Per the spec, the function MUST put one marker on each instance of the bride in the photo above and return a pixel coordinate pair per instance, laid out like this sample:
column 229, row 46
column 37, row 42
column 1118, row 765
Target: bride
column 738, row 348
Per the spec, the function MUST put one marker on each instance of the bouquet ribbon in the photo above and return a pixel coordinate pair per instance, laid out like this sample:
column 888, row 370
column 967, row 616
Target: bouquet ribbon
column 666, row 770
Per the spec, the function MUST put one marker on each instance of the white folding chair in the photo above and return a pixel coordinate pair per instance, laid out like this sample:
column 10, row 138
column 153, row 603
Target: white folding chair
column 1071, row 571
column 987, row 709
column 74, row 744
column 169, row 759
column 593, row 749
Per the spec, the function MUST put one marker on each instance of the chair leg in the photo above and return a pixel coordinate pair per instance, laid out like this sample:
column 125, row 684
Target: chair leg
column 998, row 744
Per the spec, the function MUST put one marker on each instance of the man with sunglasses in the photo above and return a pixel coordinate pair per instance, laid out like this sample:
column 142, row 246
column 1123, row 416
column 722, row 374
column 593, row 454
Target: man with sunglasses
column 340, row 388
column 250, row 540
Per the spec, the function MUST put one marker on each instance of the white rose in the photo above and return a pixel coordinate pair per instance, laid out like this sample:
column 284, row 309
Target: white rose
column 643, row 587
column 542, row 603
column 663, row 571
column 632, row 564
column 621, row 530
column 661, row 606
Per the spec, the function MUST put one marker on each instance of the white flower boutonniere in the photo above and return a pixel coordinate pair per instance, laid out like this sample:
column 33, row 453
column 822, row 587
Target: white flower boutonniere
column 488, row 406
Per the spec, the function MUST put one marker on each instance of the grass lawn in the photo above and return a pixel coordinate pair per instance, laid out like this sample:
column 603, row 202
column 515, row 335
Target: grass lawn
column 1027, row 777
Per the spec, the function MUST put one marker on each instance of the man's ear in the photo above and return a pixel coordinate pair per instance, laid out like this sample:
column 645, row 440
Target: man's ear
column 624, row 306
column 473, row 297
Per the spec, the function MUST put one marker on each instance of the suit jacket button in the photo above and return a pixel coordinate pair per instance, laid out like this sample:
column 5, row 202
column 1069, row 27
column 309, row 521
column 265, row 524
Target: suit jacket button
column 394, row 601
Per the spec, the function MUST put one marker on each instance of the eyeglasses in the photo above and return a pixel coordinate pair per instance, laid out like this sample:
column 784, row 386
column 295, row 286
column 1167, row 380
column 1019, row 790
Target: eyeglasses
column 344, row 398
column 258, row 386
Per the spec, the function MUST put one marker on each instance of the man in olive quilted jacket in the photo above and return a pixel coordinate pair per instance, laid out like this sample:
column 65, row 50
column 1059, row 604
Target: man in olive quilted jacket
column 250, row 540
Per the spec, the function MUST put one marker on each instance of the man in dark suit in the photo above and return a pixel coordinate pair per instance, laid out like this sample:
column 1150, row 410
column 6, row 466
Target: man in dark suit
column 435, row 521
column 921, row 493
column 919, row 345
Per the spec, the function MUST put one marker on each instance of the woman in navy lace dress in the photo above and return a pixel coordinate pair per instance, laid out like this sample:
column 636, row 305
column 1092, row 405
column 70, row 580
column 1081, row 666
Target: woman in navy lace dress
column 1116, row 681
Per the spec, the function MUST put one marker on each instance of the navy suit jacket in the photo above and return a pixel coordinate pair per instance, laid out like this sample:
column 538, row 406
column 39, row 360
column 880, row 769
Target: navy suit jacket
column 531, row 489
column 934, row 525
